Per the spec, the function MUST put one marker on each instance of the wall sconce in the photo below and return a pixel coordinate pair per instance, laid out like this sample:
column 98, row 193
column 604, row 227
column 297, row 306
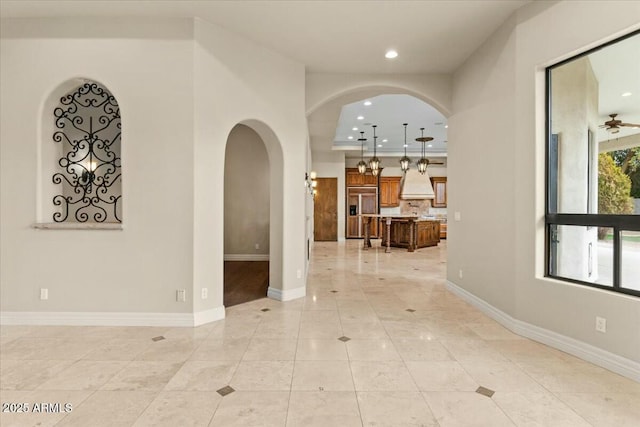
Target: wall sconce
column 310, row 182
column 87, row 175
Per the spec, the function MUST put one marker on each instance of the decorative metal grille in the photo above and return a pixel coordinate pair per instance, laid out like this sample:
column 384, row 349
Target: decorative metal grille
column 90, row 131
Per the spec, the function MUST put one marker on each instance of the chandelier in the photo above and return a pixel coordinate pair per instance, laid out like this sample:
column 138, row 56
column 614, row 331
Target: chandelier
column 374, row 162
column 423, row 162
column 405, row 161
column 362, row 166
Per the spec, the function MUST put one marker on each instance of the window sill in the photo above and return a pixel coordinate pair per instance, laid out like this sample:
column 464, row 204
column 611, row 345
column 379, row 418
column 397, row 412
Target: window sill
column 77, row 226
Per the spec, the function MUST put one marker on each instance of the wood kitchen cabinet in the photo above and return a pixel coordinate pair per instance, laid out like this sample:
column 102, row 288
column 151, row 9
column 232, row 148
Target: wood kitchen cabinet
column 440, row 189
column 425, row 233
column 389, row 191
column 355, row 179
column 362, row 198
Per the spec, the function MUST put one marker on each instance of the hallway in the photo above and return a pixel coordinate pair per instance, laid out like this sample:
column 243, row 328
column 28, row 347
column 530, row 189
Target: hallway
column 377, row 341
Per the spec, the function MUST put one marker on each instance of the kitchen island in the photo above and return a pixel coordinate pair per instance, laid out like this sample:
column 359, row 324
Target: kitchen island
column 403, row 231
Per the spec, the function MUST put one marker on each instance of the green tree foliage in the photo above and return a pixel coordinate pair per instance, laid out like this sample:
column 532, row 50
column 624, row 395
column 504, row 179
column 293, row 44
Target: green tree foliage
column 614, row 187
column 629, row 162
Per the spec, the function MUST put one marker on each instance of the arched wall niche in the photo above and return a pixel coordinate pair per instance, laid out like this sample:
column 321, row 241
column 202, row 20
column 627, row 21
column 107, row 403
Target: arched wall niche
column 50, row 152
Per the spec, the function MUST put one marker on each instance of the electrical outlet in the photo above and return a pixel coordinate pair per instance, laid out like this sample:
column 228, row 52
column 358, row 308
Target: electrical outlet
column 181, row 295
column 257, row 246
column 601, row 324
column 460, row 273
column 44, row 293
column 299, row 274
column 205, row 293
column 457, row 216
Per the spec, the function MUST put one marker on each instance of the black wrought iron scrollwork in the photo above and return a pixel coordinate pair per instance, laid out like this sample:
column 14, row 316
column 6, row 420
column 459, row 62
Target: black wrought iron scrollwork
column 89, row 126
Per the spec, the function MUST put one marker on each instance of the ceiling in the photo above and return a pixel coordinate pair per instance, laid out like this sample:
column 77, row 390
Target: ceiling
column 389, row 112
column 434, row 36
column 345, row 36
column 617, row 69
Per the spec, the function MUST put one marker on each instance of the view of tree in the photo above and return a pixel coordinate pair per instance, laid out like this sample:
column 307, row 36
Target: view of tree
column 629, row 162
column 614, row 187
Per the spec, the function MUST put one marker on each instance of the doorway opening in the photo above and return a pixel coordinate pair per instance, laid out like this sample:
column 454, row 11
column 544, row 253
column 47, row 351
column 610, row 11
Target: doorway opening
column 246, row 217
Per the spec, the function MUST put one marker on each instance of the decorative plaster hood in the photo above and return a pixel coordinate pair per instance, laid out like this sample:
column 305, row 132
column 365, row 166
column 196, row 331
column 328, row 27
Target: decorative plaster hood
column 416, row 186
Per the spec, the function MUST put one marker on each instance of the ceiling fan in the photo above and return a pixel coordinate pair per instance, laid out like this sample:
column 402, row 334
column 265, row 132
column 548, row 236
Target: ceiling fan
column 613, row 125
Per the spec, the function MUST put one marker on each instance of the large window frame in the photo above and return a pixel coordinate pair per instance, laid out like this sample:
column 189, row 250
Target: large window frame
column 618, row 223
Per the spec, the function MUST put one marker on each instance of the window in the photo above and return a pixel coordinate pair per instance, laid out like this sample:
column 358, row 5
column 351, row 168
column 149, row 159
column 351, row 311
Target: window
column 593, row 167
column 88, row 137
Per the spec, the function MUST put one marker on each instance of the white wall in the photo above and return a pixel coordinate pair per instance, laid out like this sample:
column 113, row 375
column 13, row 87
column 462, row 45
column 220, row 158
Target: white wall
column 237, row 81
column 322, row 88
column 499, row 117
column 149, row 69
column 182, row 86
column 246, row 196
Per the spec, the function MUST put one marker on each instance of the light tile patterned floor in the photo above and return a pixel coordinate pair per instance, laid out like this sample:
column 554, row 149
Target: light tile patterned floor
column 411, row 354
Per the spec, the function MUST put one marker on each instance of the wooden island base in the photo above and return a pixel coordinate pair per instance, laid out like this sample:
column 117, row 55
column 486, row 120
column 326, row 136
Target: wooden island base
column 404, row 231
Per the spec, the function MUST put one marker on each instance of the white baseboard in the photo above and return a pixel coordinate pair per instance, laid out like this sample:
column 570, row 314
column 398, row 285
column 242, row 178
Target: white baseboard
column 208, row 316
column 286, row 295
column 110, row 318
column 246, row 257
column 588, row 352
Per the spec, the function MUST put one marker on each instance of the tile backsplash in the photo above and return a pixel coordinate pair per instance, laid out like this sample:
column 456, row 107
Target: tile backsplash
column 422, row 208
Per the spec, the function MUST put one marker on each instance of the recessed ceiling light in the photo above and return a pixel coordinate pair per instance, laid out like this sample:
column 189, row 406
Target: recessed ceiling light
column 384, row 140
column 360, row 117
column 391, row 54
column 349, row 137
column 430, row 145
column 379, row 145
column 446, row 126
column 627, row 94
column 354, row 128
column 367, row 103
column 405, row 145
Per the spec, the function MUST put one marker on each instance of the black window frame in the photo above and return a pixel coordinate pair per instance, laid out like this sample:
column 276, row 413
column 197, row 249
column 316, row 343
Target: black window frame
column 618, row 223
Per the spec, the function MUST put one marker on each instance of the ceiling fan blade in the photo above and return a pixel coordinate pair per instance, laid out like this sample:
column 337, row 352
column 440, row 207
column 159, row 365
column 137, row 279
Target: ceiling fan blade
column 629, row 124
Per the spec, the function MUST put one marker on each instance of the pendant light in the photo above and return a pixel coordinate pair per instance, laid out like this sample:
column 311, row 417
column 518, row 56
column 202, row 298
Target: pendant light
column 374, row 162
column 362, row 166
column 404, row 162
column 423, row 162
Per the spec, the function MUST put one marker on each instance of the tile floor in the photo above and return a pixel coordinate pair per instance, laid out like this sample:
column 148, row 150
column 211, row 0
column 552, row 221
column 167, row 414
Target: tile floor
column 411, row 354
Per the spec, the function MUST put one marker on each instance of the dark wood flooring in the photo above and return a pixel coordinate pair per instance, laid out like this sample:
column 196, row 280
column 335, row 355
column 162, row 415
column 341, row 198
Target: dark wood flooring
column 245, row 281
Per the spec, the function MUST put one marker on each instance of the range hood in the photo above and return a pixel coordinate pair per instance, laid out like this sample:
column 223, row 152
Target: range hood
column 416, row 186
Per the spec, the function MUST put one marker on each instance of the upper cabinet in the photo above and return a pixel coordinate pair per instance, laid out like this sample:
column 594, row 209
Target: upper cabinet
column 389, row 191
column 355, row 179
column 440, row 189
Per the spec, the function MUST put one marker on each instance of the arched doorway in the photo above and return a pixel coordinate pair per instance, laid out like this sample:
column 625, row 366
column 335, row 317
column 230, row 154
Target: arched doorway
column 252, row 213
column 340, row 113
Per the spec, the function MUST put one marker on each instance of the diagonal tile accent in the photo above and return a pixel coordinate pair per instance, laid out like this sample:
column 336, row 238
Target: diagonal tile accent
column 485, row 391
column 265, row 310
column 410, row 310
column 158, row 338
column 225, row 390
column 344, row 339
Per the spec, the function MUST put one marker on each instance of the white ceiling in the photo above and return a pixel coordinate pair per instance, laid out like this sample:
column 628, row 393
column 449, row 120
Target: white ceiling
column 617, row 69
column 389, row 112
column 326, row 36
column 434, row 36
